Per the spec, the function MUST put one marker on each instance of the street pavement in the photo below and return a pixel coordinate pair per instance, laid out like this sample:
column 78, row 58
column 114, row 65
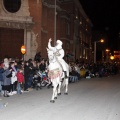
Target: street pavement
column 88, row 99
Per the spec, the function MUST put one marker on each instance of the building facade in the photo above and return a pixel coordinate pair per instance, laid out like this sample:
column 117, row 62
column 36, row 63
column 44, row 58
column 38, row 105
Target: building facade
column 33, row 22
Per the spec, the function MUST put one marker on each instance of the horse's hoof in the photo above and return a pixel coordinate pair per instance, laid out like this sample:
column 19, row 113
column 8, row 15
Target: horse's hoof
column 52, row 101
column 65, row 93
column 55, row 98
column 59, row 93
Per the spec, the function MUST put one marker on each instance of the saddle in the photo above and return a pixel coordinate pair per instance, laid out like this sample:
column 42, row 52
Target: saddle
column 52, row 74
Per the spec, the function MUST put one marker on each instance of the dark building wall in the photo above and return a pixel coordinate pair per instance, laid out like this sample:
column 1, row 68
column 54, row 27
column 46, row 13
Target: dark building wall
column 37, row 21
column 68, row 14
column 35, row 9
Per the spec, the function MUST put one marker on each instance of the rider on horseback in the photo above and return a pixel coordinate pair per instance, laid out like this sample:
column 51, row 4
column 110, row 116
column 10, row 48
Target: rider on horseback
column 59, row 53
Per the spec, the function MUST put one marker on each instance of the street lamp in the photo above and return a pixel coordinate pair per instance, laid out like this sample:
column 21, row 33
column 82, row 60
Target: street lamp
column 107, row 50
column 23, row 51
column 112, row 57
column 55, row 25
column 95, row 42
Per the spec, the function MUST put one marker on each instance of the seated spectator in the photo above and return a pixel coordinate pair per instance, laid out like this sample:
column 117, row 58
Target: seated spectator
column 42, row 66
column 73, row 75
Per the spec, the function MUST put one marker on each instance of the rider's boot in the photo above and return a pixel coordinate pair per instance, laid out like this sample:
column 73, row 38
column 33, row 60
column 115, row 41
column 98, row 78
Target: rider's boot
column 65, row 74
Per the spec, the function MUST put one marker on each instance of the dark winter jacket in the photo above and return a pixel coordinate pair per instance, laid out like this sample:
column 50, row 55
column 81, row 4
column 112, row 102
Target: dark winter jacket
column 6, row 79
column 1, row 71
column 42, row 67
column 27, row 71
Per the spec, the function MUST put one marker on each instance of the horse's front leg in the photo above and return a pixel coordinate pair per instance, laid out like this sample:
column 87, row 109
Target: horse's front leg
column 58, row 85
column 53, row 95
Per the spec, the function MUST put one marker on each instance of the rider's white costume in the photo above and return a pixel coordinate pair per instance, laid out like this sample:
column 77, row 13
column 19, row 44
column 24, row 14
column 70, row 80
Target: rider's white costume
column 59, row 53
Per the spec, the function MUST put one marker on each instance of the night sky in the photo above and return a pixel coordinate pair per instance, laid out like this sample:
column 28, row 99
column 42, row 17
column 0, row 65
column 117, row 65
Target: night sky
column 105, row 16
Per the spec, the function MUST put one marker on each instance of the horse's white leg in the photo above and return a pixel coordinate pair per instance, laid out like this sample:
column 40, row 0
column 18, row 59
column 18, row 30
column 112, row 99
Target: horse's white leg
column 53, row 95
column 59, row 87
column 66, row 86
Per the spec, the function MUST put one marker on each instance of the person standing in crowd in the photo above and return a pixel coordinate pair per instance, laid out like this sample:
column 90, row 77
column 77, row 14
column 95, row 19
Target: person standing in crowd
column 27, row 72
column 32, row 71
column 1, row 77
column 6, row 80
column 38, row 57
column 20, row 81
column 6, row 62
column 13, row 78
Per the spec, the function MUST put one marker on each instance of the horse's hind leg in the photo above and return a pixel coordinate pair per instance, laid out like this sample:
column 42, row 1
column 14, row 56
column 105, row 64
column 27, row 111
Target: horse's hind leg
column 66, row 87
column 59, row 87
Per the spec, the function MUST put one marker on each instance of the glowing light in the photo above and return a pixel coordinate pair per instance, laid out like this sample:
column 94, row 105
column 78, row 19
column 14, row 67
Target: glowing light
column 112, row 57
column 107, row 50
column 101, row 40
column 23, row 49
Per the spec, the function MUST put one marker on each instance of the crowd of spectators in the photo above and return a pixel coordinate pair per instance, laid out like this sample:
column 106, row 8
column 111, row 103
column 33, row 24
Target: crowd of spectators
column 16, row 75
column 90, row 70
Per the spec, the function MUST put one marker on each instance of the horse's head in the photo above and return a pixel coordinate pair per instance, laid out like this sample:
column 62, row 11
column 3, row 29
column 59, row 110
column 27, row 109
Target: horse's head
column 50, row 54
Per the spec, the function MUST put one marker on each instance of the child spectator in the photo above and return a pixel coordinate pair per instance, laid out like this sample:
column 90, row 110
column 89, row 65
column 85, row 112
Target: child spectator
column 20, row 79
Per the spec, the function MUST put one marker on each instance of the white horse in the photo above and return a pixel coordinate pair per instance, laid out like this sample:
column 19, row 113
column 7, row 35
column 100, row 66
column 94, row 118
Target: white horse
column 56, row 75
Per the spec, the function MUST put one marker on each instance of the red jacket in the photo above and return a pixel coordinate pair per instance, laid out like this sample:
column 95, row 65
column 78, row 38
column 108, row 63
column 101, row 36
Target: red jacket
column 20, row 77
